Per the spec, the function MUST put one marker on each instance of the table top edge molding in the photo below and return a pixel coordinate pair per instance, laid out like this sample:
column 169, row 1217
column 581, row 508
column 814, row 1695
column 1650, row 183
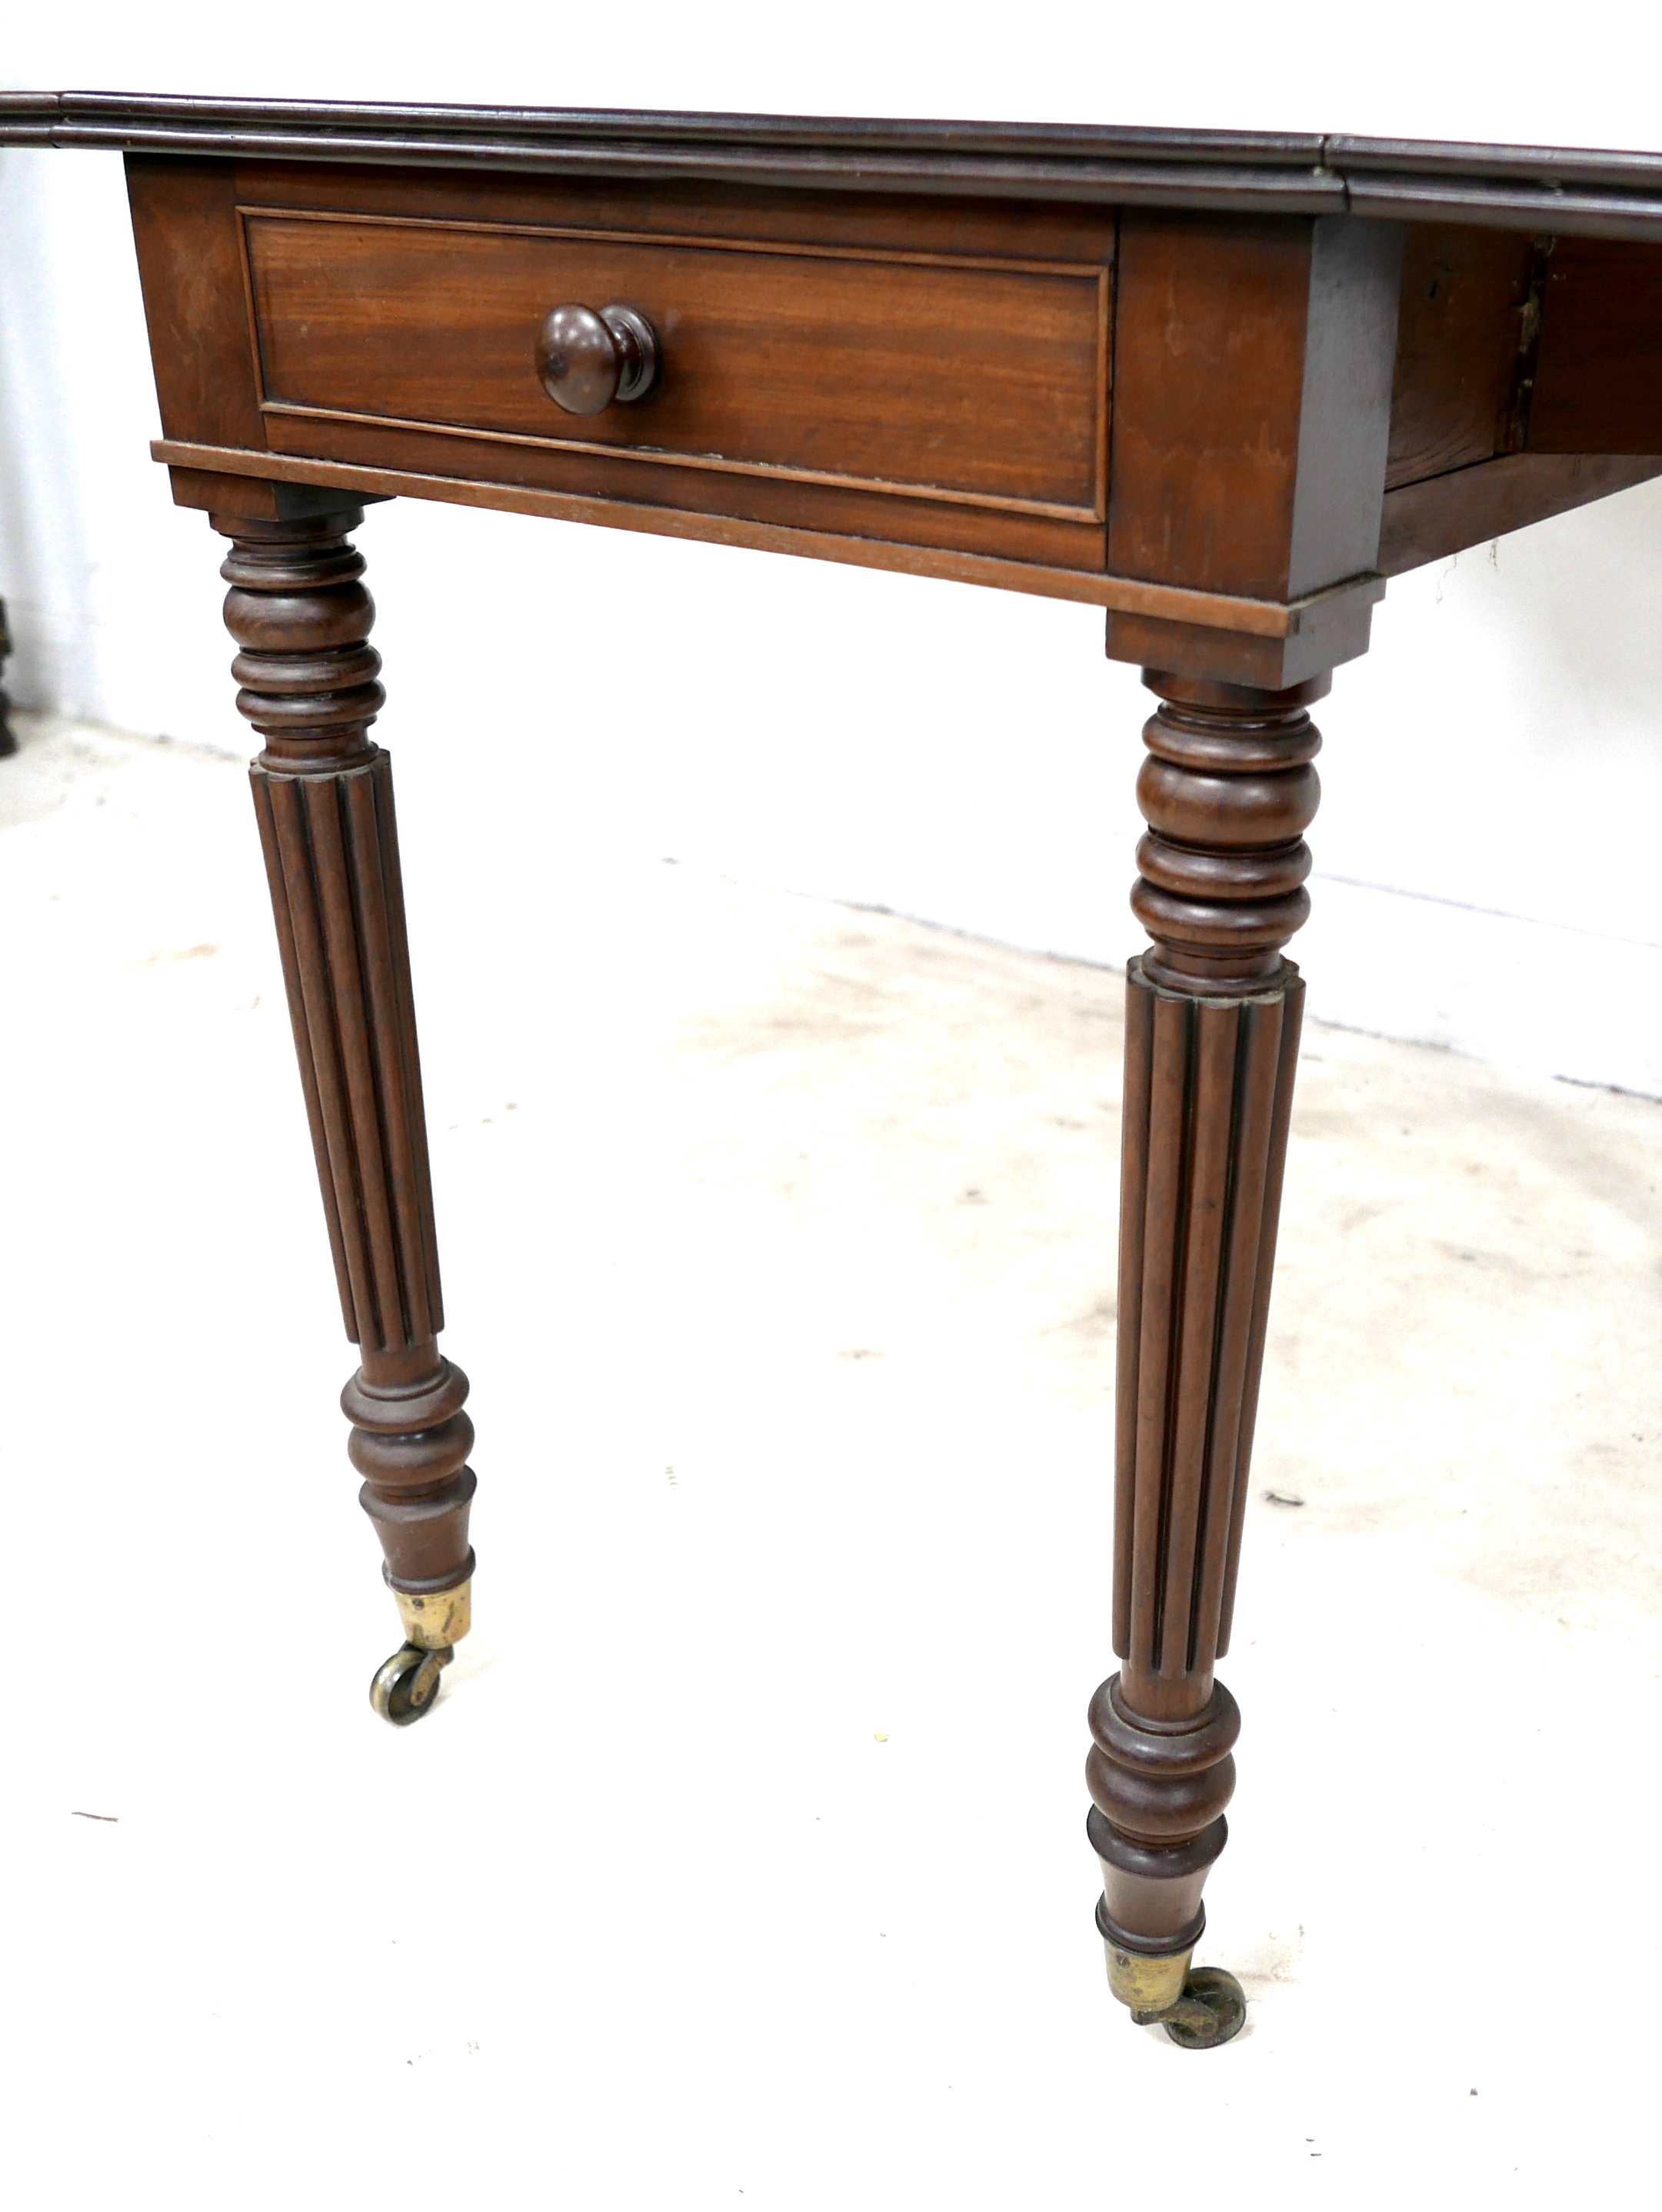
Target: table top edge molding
column 1529, row 187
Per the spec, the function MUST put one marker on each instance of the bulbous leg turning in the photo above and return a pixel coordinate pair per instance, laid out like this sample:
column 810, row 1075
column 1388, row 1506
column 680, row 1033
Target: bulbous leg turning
column 1211, row 1039
column 322, row 794
column 1156, row 1824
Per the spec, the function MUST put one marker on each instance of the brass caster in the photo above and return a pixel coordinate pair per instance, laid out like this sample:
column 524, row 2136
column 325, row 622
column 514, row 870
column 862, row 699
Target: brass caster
column 1212, row 2010
column 407, row 1685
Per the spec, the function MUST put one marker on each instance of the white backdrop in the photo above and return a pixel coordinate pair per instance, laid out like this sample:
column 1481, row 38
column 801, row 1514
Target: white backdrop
column 1494, row 769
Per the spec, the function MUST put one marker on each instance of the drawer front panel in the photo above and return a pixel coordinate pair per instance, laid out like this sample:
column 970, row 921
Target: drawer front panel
column 939, row 377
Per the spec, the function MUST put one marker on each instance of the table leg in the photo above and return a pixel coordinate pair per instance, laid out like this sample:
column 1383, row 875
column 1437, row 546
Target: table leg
column 322, row 792
column 8, row 736
column 1212, row 1038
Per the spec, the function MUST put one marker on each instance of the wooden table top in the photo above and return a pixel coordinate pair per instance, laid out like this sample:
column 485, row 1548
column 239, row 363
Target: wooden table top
column 1570, row 191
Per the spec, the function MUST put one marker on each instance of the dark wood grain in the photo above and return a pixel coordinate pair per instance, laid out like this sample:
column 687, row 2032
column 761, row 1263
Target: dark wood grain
column 1344, row 421
column 1573, row 191
column 714, row 502
column 974, row 381
column 1263, row 472
column 883, row 343
column 1445, row 514
column 190, row 266
column 1326, row 623
column 1459, row 337
column 941, row 366
column 260, row 498
column 322, row 794
column 674, row 207
column 1007, row 161
column 1568, row 192
column 1598, row 365
column 1204, row 467
column 1252, row 365
column 1211, row 1042
column 1322, row 632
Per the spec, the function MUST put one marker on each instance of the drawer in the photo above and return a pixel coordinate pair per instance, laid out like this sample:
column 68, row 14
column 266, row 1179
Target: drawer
column 966, row 380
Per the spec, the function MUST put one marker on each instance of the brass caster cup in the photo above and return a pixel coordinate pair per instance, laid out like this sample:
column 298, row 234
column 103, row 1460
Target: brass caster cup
column 1198, row 2007
column 407, row 1685
column 436, row 1620
column 1150, row 1986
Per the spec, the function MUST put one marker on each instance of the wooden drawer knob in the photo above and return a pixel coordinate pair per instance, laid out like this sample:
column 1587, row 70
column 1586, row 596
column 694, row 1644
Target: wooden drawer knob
column 588, row 360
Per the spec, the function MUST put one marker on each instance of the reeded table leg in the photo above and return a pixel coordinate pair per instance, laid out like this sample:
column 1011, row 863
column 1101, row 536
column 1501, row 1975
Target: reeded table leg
column 323, row 791
column 1212, row 1038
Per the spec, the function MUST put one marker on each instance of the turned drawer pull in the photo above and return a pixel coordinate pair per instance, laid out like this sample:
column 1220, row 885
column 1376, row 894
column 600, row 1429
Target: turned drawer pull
column 587, row 360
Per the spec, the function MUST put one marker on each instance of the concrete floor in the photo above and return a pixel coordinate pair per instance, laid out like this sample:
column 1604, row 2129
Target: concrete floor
column 744, row 1862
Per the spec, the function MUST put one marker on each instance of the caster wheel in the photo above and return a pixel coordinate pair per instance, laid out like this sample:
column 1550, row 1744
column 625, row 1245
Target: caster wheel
column 407, row 1685
column 1212, row 2010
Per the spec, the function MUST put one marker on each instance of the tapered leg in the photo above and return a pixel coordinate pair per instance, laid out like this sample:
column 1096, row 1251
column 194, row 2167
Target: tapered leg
column 323, row 792
column 1212, row 1038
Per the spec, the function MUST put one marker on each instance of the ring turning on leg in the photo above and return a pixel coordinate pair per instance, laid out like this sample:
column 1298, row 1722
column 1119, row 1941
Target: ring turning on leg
column 323, row 793
column 1212, row 1038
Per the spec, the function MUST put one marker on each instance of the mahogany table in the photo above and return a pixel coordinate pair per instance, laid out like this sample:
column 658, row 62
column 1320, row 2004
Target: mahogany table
column 1219, row 384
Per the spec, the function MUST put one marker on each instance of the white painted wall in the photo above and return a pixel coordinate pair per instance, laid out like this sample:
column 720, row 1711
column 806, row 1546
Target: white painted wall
column 1493, row 769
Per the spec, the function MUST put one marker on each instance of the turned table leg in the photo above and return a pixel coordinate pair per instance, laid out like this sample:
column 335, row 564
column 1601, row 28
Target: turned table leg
column 1212, row 1038
column 322, row 792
